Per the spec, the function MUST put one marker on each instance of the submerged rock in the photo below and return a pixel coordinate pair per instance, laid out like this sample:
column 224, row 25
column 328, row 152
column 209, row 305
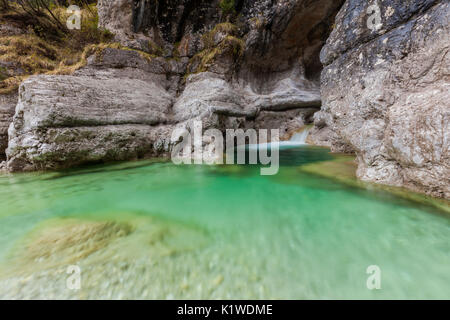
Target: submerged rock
column 57, row 243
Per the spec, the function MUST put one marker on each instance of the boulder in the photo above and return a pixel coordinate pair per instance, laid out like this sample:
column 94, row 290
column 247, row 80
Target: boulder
column 385, row 92
column 61, row 121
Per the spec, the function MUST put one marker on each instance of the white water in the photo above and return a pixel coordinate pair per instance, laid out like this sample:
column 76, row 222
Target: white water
column 298, row 139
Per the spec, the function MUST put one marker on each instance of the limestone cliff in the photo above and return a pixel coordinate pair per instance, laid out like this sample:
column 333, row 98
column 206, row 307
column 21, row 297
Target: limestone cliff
column 386, row 93
column 231, row 64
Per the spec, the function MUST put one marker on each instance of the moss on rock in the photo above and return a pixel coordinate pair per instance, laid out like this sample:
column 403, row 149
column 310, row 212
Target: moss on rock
column 32, row 52
column 221, row 42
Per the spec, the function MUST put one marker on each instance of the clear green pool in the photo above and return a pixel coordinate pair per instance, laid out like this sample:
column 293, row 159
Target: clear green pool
column 207, row 232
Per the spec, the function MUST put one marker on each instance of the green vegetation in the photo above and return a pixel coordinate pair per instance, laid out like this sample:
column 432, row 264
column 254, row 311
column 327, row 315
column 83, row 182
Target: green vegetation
column 222, row 41
column 154, row 49
column 98, row 49
column 3, row 74
column 221, row 28
column 227, row 7
column 258, row 22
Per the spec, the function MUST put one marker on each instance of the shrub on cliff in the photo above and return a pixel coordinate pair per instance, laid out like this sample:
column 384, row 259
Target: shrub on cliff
column 221, row 44
column 42, row 45
column 227, row 7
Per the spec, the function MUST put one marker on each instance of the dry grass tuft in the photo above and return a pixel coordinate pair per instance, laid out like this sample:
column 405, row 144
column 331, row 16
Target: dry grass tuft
column 228, row 46
column 33, row 52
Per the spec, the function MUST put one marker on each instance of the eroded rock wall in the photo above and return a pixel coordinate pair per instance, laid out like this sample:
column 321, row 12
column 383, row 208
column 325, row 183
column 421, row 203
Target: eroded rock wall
column 279, row 39
column 386, row 92
column 253, row 65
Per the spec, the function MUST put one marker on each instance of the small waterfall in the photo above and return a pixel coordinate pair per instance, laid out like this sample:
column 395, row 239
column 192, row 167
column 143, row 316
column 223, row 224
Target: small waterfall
column 300, row 137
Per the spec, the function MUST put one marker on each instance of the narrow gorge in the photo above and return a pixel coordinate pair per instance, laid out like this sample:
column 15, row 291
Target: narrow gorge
column 383, row 94
column 86, row 124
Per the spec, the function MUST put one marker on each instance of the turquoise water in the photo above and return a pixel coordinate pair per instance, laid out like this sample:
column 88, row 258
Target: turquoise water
column 207, row 232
